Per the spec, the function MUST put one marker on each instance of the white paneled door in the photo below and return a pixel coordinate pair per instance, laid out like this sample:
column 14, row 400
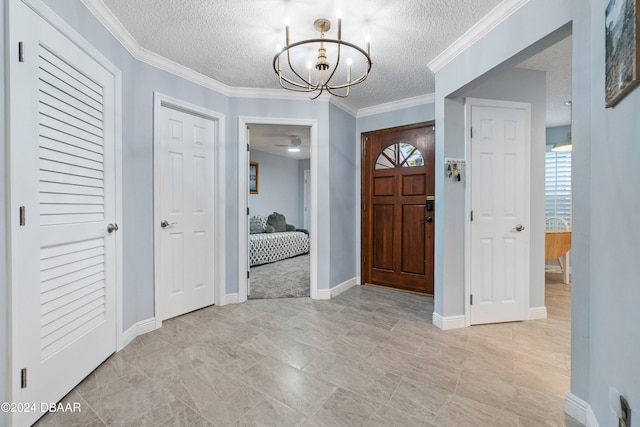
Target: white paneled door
column 499, row 275
column 186, row 207
column 63, row 202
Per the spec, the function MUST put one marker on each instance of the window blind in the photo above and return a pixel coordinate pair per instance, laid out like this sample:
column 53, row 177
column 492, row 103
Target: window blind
column 558, row 185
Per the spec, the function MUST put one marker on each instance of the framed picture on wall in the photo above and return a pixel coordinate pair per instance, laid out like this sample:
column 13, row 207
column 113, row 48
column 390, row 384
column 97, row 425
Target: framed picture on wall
column 622, row 50
column 253, row 178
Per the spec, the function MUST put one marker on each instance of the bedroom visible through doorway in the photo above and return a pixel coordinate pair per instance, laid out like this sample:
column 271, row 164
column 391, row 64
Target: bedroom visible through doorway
column 279, row 244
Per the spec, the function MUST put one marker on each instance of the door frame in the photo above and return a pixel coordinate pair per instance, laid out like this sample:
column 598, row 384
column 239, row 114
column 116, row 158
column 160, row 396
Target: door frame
column 243, row 198
column 363, row 151
column 479, row 102
column 219, row 222
column 12, row 184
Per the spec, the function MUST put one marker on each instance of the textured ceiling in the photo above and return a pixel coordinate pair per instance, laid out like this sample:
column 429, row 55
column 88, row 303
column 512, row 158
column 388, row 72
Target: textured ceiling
column 556, row 61
column 271, row 138
column 234, row 41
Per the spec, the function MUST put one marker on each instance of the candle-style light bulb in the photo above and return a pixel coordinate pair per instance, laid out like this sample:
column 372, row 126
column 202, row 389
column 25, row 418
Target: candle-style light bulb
column 349, row 61
column 286, row 28
column 339, row 13
column 309, row 66
column 367, row 39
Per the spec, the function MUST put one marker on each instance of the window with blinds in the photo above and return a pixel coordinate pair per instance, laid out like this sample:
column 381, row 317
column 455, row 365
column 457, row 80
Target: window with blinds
column 558, row 185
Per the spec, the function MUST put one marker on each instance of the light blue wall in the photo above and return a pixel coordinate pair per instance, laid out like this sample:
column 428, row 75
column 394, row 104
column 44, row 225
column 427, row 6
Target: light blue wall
column 302, row 166
column 405, row 116
column 614, row 286
column 342, row 158
column 278, row 187
column 557, row 134
column 4, row 312
column 512, row 84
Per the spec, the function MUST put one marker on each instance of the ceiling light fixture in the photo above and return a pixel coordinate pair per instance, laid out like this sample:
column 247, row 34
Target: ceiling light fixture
column 563, row 146
column 295, row 53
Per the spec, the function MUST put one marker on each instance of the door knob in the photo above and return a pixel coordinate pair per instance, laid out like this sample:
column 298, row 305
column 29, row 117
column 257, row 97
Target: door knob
column 164, row 223
column 111, row 228
column 519, row 227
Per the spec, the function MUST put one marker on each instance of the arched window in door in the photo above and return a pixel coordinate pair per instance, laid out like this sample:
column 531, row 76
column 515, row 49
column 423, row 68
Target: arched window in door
column 399, row 155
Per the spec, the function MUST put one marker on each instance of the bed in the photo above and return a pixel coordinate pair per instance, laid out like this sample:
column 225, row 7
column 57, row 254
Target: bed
column 266, row 247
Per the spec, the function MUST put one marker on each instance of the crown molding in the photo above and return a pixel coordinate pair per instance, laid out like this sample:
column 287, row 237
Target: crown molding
column 115, row 27
column 124, row 37
column 397, row 105
column 495, row 17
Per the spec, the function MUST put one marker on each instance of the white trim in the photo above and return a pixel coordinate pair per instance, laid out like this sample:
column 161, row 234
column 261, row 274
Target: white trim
column 219, row 190
column 537, row 313
column 323, row 294
column 491, row 20
column 344, row 286
column 576, row 408
column 448, row 322
column 429, row 98
column 230, row 299
column 243, row 202
column 580, row 410
column 139, row 328
column 469, row 103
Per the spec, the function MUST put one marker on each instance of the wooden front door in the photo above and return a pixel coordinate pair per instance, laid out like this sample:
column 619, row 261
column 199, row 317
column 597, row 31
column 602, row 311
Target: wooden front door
column 397, row 222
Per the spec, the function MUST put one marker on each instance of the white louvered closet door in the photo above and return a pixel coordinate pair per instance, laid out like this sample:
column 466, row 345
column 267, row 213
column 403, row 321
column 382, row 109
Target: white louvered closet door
column 62, row 172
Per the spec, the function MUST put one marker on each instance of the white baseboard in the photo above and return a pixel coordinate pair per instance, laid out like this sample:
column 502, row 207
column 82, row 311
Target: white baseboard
column 449, row 322
column 229, row 299
column 322, row 294
column 137, row 329
column 537, row 313
column 580, row 410
column 344, row 286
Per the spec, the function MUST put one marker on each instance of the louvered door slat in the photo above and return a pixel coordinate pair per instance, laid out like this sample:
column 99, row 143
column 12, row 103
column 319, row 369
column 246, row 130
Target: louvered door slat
column 73, row 140
column 53, row 61
column 92, row 110
column 67, row 118
column 64, row 178
column 61, row 126
column 50, row 144
column 72, row 109
column 70, row 288
column 54, row 187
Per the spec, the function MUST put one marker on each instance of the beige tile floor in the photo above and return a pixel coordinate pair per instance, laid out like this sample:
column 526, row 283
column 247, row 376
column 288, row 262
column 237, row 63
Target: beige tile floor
column 370, row 357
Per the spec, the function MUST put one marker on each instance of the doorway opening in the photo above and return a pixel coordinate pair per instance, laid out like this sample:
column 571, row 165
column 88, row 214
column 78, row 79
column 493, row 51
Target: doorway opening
column 279, row 191
column 258, row 177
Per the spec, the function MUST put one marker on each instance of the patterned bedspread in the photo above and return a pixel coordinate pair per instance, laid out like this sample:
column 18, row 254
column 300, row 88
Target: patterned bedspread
column 271, row 247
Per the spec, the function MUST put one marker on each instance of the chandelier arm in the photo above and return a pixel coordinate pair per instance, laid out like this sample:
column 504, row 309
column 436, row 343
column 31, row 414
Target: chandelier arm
column 339, row 95
column 296, row 86
column 294, row 70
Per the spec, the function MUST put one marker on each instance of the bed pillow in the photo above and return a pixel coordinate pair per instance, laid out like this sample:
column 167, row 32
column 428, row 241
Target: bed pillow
column 277, row 221
column 255, row 225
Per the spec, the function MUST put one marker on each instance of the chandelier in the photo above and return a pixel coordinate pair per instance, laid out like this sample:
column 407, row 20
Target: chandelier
column 316, row 82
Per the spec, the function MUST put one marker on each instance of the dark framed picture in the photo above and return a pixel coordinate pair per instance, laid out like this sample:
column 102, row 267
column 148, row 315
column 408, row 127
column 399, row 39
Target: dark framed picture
column 253, row 178
column 622, row 72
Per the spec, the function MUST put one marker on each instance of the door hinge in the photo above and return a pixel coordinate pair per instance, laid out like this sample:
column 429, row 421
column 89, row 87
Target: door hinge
column 364, row 206
column 247, row 211
column 23, row 216
column 23, row 378
column 20, row 52
column 364, row 259
column 248, row 149
column 471, row 216
column 248, row 274
column 471, row 299
column 471, row 132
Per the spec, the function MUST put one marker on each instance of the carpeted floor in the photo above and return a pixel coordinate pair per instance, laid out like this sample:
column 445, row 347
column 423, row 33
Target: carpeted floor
column 283, row 279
